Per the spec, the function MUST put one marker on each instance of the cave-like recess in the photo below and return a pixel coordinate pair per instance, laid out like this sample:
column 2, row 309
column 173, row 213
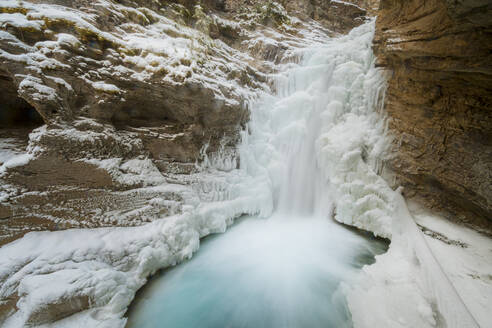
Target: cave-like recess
column 15, row 112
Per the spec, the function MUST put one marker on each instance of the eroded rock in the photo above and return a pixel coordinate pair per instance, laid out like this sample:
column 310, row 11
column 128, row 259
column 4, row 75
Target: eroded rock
column 439, row 100
column 133, row 94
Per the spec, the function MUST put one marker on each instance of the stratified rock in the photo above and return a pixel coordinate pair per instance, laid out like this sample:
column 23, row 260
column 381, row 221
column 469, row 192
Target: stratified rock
column 338, row 16
column 341, row 16
column 439, row 99
column 128, row 90
column 133, row 94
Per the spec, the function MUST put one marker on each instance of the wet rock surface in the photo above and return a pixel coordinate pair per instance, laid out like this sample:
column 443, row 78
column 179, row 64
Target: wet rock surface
column 439, row 101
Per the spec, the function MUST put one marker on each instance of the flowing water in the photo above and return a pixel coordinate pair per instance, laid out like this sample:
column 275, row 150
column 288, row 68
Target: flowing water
column 279, row 272
column 315, row 145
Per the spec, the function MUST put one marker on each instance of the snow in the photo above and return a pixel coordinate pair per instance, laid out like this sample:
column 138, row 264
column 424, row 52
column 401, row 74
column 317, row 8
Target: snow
column 61, row 82
column 15, row 161
column 106, row 87
column 36, row 89
column 20, row 21
column 108, row 265
column 9, row 148
column 12, row 154
column 68, row 39
column 410, row 287
column 325, row 114
column 131, row 172
column 346, row 3
column 464, row 256
column 180, row 54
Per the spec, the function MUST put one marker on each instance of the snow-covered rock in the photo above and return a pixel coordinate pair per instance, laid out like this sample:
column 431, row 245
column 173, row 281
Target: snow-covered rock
column 132, row 93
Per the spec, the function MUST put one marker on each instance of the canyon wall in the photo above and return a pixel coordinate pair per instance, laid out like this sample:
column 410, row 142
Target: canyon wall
column 438, row 55
column 111, row 111
column 131, row 95
column 118, row 101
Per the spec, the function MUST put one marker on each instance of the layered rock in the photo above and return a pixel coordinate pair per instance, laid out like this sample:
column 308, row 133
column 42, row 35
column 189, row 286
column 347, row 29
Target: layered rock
column 132, row 94
column 121, row 88
column 439, row 101
column 338, row 16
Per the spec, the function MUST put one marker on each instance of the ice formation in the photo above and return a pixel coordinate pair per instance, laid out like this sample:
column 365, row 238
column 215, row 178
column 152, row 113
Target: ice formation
column 322, row 131
column 284, row 271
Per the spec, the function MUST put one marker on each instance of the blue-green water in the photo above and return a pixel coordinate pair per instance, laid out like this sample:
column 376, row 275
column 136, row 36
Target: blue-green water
column 279, row 272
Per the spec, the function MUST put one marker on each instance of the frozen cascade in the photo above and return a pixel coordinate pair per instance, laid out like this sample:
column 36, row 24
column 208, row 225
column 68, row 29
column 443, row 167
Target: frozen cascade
column 314, row 151
column 312, row 147
column 318, row 141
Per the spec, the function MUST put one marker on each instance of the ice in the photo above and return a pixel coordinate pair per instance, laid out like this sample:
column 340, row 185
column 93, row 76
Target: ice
column 279, row 272
column 108, row 265
column 409, row 287
column 322, row 131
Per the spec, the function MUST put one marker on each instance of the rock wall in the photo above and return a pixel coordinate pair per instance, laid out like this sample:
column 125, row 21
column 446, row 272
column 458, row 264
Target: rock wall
column 132, row 94
column 438, row 55
column 144, row 83
column 337, row 16
column 114, row 96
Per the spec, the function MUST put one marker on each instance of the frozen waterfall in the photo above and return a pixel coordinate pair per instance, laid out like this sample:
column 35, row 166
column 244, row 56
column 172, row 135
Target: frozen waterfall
column 313, row 148
column 318, row 141
column 310, row 156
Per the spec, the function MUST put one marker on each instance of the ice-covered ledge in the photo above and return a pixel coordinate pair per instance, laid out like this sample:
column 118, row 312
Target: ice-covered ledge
column 93, row 274
column 435, row 273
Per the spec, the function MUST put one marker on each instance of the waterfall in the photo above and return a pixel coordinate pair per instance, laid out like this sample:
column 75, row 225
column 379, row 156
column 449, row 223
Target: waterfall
column 307, row 148
column 312, row 152
column 319, row 139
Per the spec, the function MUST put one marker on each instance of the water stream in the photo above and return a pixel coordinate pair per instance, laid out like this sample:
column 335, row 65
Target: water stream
column 315, row 145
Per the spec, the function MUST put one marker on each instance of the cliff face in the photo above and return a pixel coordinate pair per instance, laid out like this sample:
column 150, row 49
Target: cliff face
column 439, row 101
column 132, row 94
column 126, row 90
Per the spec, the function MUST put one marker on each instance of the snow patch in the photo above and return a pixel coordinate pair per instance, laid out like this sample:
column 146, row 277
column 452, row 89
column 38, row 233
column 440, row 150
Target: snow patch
column 36, row 89
column 131, row 172
column 106, row 87
column 408, row 286
column 18, row 160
